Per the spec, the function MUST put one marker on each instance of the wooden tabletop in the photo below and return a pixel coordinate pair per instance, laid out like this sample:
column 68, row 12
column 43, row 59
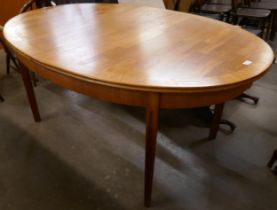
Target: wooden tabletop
column 139, row 47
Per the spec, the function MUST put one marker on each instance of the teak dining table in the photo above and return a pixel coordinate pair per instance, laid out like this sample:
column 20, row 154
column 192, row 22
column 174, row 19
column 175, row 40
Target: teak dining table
column 138, row 56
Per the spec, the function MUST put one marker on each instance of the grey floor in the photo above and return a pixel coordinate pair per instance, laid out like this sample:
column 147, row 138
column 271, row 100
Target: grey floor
column 89, row 154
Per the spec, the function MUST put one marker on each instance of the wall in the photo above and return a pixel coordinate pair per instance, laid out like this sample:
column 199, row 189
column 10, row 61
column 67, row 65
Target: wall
column 9, row 8
column 150, row 3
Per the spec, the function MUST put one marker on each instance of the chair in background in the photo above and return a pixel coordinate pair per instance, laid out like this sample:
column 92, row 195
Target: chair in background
column 1, row 42
column 29, row 5
column 254, row 20
column 11, row 58
column 268, row 5
column 218, row 7
column 9, row 55
column 1, row 98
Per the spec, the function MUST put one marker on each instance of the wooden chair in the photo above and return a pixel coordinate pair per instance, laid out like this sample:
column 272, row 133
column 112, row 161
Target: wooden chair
column 241, row 14
column 222, row 9
column 9, row 55
column 268, row 5
column 29, row 5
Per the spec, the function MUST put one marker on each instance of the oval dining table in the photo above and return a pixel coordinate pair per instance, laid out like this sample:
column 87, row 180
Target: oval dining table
column 138, row 56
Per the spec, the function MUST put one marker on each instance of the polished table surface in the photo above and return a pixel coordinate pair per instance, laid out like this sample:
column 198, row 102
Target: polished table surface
column 138, row 56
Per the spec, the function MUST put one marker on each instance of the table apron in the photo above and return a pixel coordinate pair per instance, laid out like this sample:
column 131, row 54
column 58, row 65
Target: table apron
column 168, row 100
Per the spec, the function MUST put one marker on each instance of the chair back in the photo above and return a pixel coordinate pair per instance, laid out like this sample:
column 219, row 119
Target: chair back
column 248, row 2
column 29, row 5
column 240, row 3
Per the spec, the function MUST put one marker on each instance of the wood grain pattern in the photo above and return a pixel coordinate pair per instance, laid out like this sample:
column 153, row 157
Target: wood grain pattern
column 139, row 47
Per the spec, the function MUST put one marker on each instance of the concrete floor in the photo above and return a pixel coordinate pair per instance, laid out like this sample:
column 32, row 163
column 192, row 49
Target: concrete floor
column 88, row 154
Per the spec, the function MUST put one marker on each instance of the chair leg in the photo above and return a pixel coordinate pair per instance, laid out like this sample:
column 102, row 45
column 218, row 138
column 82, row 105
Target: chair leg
column 263, row 35
column 1, row 98
column 15, row 63
column 8, row 63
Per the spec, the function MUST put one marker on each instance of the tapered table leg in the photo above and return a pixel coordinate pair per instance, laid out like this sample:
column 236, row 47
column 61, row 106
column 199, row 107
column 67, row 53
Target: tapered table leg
column 151, row 139
column 216, row 120
column 25, row 74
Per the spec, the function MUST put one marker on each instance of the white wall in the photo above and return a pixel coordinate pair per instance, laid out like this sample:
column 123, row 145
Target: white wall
column 151, row 3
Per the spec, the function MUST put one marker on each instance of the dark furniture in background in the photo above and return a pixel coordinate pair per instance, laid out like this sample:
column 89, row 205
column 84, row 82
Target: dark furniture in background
column 269, row 5
column 245, row 16
column 9, row 55
column 219, row 7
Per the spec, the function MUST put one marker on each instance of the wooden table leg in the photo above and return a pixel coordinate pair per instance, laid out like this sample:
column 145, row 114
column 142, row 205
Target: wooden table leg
column 216, row 120
column 151, row 139
column 25, row 74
